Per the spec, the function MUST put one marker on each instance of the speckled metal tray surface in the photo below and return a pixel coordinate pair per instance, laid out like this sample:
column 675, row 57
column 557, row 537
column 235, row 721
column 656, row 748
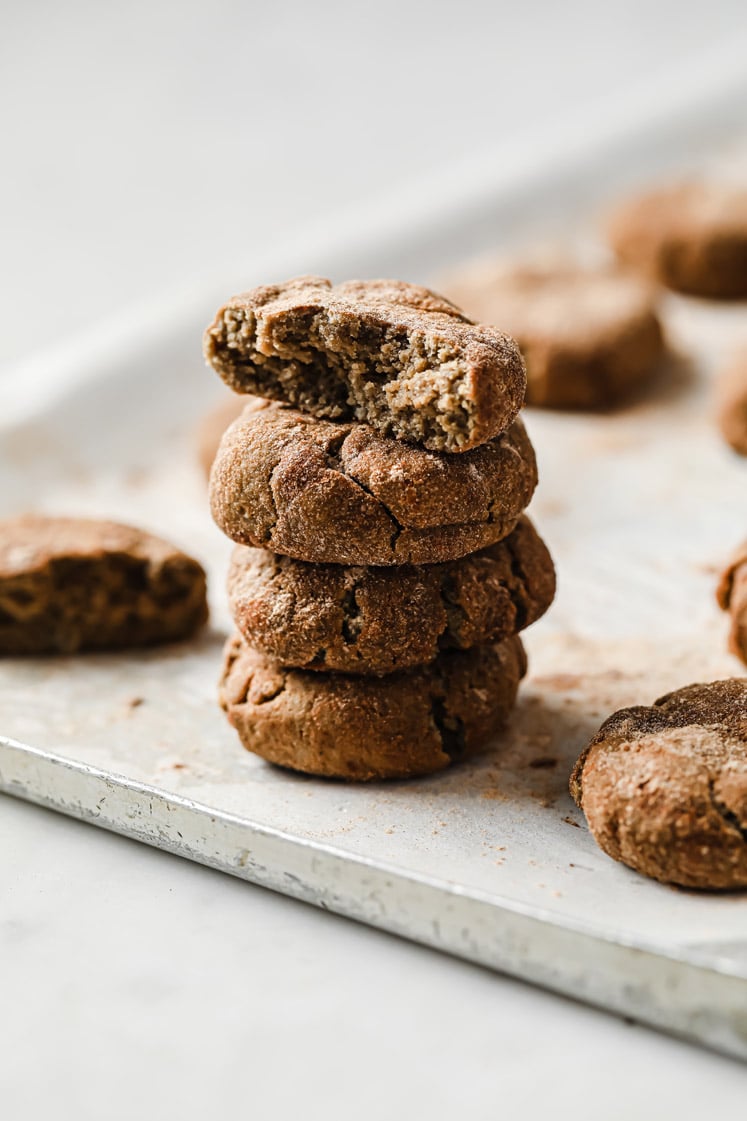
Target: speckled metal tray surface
column 490, row 861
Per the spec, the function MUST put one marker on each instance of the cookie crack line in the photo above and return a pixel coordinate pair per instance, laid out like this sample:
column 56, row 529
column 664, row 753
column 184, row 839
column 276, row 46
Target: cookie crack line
column 398, row 527
column 727, row 816
column 452, row 738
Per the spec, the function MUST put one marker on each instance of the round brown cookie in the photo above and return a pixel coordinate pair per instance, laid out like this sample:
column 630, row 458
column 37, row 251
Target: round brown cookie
column 212, row 426
column 731, row 390
column 732, row 597
column 69, row 584
column 378, row 620
column 589, row 338
column 363, row 728
column 691, row 237
column 343, row 494
column 664, row 789
column 389, row 354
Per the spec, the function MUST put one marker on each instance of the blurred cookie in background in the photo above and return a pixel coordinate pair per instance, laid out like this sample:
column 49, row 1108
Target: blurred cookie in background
column 691, row 237
column 590, row 336
column 731, row 393
column 732, row 597
column 212, row 426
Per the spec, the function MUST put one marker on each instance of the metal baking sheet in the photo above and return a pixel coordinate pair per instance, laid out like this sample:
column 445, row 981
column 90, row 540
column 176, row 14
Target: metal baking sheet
column 490, row 861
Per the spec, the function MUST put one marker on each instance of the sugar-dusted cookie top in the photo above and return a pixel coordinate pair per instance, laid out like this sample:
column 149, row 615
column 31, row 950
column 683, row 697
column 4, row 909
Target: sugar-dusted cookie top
column 393, row 355
column 344, row 494
column 664, row 789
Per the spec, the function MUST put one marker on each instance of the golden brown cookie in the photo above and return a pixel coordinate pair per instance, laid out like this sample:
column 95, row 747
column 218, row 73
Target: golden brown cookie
column 389, row 354
column 589, row 338
column 664, row 789
column 69, row 584
column 343, row 494
column 363, row 728
column 378, row 620
column 691, row 237
column 212, row 426
column 731, row 389
column 732, row 597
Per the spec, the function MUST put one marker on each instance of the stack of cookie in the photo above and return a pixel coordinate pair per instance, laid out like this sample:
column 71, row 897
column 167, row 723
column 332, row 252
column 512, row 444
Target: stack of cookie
column 375, row 485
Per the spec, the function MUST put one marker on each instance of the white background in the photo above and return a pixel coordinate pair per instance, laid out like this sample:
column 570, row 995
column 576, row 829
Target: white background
column 143, row 145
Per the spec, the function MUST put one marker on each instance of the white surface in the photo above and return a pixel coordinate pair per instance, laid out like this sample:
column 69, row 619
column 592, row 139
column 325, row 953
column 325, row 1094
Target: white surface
column 130, row 977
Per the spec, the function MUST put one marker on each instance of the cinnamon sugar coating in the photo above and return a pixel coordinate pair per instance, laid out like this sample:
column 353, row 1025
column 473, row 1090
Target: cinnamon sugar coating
column 333, row 493
column 364, row 728
column 368, row 620
column 664, row 789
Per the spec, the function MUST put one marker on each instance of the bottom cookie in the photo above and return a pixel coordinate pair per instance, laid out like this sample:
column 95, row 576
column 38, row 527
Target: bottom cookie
column 363, row 728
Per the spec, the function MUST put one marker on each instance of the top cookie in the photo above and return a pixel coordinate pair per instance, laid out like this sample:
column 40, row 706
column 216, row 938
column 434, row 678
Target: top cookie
column 664, row 789
column 691, row 237
column 70, row 584
column 394, row 355
column 589, row 337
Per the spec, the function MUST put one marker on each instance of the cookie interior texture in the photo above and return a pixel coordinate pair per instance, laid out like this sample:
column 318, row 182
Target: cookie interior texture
column 364, row 728
column 664, row 789
column 692, row 237
column 392, row 355
column 69, row 584
column 333, row 493
column 369, row 620
column 589, row 338
column 732, row 597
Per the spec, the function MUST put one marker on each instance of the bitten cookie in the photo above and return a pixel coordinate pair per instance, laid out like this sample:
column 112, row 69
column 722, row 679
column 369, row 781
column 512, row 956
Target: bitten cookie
column 69, row 584
column 378, row 620
column 691, row 237
column 731, row 389
column 664, row 789
column 363, row 728
column 589, row 338
column 392, row 355
column 732, row 597
column 343, row 494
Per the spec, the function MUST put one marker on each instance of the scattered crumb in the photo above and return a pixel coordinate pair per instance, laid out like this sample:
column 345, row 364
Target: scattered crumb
column 569, row 821
column 135, row 702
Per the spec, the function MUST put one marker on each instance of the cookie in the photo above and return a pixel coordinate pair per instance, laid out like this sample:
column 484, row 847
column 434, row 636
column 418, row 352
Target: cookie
column 691, row 237
column 731, row 390
column 363, row 728
column 69, row 584
column 589, row 338
column 389, row 354
column 212, row 426
column 333, row 493
column 664, row 789
column 378, row 620
column 732, row 597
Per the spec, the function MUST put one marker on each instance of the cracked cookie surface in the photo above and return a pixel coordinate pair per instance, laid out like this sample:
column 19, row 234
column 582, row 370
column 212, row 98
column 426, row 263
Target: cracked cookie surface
column 335, row 493
column 368, row 620
column 731, row 595
column 69, row 584
column 691, row 237
column 392, row 355
column 589, row 338
column 664, row 789
column 364, row 728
